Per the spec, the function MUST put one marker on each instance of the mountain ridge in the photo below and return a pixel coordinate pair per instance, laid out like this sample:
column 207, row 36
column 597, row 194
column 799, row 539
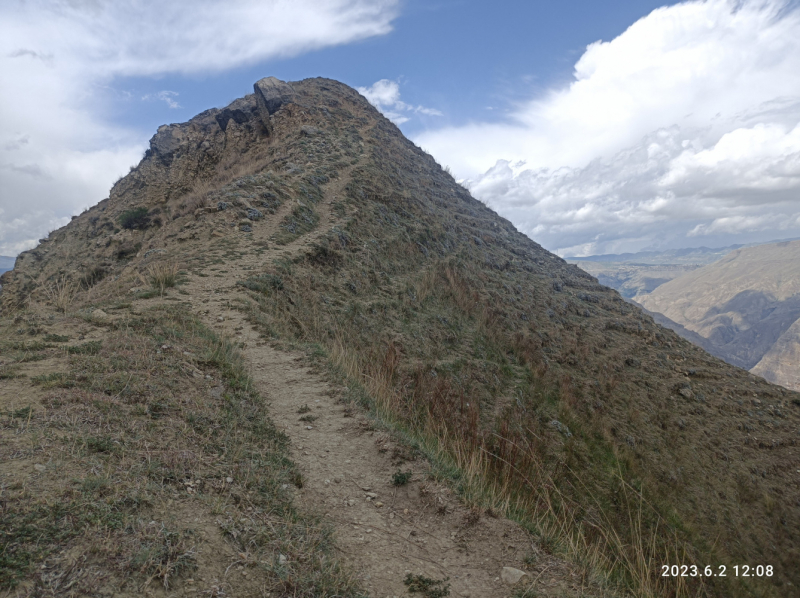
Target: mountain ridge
column 457, row 325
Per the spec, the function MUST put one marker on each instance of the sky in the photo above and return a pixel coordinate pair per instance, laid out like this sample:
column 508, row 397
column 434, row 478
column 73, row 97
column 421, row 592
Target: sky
column 593, row 127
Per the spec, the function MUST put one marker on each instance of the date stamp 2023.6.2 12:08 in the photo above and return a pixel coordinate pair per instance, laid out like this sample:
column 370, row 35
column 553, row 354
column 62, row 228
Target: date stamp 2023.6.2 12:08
column 718, row 571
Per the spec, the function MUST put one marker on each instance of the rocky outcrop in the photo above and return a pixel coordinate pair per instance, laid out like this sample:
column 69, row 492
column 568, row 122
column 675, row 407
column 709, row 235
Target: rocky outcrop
column 271, row 94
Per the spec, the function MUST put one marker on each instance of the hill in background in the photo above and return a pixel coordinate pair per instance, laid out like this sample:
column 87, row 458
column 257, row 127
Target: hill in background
column 745, row 306
column 641, row 273
column 544, row 395
column 6, row 263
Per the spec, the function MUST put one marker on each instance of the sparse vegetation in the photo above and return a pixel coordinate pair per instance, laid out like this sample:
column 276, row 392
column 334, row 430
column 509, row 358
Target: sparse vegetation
column 61, row 293
column 162, row 276
column 401, row 478
column 163, row 439
column 135, row 218
column 428, row 587
column 88, row 348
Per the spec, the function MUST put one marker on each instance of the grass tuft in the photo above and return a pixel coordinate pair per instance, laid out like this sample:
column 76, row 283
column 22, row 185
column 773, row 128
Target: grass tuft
column 61, row 293
column 162, row 276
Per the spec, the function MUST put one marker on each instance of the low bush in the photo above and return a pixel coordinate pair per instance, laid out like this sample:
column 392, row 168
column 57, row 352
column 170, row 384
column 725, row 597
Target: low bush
column 135, row 219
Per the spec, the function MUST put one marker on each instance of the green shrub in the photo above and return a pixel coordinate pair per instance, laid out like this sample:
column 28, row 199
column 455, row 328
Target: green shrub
column 136, row 218
column 401, row 478
column 430, row 588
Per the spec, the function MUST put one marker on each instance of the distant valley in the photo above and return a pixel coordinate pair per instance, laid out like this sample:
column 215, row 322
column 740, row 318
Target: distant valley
column 740, row 303
column 640, row 273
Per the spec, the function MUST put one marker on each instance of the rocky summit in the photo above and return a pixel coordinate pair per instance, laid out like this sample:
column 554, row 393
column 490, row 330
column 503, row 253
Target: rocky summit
column 453, row 374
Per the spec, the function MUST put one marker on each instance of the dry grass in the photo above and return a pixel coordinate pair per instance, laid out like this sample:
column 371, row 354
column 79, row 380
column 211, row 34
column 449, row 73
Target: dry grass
column 487, row 421
column 200, row 194
column 529, row 494
column 162, row 276
column 61, row 293
column 148, row 471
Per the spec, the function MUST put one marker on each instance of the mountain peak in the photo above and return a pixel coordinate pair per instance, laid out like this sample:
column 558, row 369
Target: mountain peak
column 307, row 208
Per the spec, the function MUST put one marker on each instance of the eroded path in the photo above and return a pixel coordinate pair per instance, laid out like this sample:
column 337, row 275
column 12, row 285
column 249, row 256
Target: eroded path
column 384, row 531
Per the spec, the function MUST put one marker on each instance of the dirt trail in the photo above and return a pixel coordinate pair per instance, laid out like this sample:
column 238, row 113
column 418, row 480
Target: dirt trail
column 384, row 531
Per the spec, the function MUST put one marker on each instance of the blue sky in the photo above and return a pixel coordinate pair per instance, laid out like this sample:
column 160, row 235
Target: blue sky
column 594, row 127
column 457, row 56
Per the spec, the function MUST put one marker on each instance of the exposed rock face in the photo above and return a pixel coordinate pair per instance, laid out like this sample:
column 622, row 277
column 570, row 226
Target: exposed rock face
column 742, row 306
column 271, row 94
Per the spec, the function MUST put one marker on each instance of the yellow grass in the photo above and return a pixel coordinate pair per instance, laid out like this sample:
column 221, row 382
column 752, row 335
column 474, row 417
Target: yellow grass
column 61, row 293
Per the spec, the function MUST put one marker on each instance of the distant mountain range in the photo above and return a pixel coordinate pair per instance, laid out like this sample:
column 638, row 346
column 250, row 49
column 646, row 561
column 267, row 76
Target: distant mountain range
column 686, row 255
column 6, row 263
column 690, row 255
column 745, row 307
column 636, row 274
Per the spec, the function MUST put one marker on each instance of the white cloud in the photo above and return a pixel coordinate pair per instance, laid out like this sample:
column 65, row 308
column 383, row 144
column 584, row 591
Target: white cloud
column 385, row 96
column 168, row 97
column 686, row 123
column 57, row 57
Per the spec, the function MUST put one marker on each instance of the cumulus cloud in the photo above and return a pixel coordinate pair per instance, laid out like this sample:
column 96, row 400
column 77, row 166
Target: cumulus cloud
column 385, row 96
column 57, row 154
column 684, row 125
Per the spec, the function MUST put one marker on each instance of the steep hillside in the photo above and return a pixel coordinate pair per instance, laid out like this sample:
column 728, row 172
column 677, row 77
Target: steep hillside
column 781, row 364
column 742, row 305
column 543, row 394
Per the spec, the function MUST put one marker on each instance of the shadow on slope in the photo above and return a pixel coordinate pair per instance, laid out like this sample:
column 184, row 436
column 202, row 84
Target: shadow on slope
column 744, row 328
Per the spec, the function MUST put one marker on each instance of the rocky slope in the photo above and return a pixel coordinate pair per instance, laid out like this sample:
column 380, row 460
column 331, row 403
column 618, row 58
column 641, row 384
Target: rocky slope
column 547, row 396
column 743, row 305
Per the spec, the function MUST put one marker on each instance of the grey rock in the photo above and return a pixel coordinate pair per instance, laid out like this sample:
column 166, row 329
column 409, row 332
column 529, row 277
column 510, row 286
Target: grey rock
column 99, row 315
column 231, row 114
column 561, row 428
column 168, row 139
column 309, row 130
column 510, row 576
column 271, row 94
